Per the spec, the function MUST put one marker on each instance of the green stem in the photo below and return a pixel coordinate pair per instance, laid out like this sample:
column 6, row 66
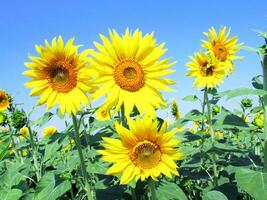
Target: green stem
column 34, row 154
column 133, row 194
column 203, row 113
column 87, row 187
column 152, row 188
column 213, row 156
column 206, row 100
column 264, row 67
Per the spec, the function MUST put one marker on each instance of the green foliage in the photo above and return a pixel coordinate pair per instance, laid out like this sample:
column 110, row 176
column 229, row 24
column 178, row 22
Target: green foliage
column 170, row 191
column 252, row 182
column 241, row 92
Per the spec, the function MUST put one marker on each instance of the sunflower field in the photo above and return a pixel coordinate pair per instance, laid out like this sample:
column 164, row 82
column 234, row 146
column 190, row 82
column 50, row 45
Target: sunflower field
column 123, row 148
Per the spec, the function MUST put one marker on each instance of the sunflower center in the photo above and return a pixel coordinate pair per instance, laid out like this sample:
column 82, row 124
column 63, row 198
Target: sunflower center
column 104, row 113
column 3, row 99
column 206, row 70
column 129, row 75
column 146, row 154
column 220, row 51
column 62, row 76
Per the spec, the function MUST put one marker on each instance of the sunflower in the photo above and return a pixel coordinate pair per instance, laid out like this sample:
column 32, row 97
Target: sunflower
column 60, row 75
column 206, row 69
column 5, row 100
column 50, row 130
column 222, row 46
column 24, row 131
column 103, row 113
column 130, row 71
column 142, row 151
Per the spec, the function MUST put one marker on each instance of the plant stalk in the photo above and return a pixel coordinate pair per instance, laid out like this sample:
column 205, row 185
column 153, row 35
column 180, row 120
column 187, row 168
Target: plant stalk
column 152, row 188
column 87, row 187
column 264, row 67
column 34, row 152
column 213, row 156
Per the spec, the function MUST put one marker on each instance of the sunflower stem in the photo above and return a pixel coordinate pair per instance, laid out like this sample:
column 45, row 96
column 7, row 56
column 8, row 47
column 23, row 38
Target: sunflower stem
column 203, row 112
column 133, row 194
column 122, row 116
column 264, row 67
column 213, row 156
column 152, row 188
column 34, row 154
column 87, row 187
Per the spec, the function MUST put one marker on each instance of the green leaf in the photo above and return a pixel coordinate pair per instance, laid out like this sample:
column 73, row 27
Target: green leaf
column 240, row 92
column 97, row 167
column 262, row 33
column 12, row 194
column 12, row 176
column 212, row 195
column 50, row 150
column 234, row 120
column 4, row 144
column 257, row 82
column 44, row 119
column 170, row 191
column 190, row 98
column 252, row 182
column 45, row 186
column 60, row 190
column 193, row 115
column 248, row 48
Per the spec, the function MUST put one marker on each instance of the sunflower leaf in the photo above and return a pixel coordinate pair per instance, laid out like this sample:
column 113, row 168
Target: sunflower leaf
column 240, row 92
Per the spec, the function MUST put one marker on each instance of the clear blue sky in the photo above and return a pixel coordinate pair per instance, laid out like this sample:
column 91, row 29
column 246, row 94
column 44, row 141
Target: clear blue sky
column 178, row 23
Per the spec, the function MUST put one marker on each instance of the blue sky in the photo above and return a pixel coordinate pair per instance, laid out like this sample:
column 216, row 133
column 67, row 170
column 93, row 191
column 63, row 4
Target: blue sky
column 178, row 23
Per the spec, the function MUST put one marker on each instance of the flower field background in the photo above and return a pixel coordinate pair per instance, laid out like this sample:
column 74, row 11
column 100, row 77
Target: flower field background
column 124, row 135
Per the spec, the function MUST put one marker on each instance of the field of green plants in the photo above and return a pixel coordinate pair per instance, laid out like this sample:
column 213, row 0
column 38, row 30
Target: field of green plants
column 124, row 149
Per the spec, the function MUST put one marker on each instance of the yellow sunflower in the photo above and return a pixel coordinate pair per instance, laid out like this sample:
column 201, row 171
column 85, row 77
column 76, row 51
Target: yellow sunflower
column 60, row 75
column 142, row 151
column 130, row 71
column 222, row 46
column 4, row 101
column 24, row 131
column 206, row 69
column 103, row 113
column 50, row 130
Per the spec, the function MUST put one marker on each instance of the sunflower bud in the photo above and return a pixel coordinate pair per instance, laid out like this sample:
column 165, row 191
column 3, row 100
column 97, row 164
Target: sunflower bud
column 246, row 103
column 18, row 119
column 3, row 119
column 175, row 110
column 215, row 109
column 259, row 119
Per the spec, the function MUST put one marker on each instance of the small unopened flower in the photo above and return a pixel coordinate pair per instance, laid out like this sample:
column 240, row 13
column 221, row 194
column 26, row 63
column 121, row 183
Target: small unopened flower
column 50, row 130
column 3, row 119
column 103, row 113
column 258, row 119
column 18, row 119
column 24, row 132
column 246, row 103
column 216, row 109
column 175, row 110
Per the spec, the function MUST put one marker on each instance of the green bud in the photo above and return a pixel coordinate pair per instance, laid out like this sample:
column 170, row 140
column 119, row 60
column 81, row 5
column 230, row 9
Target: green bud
column 259, row 119
column 216, row 109
column 246, row 102
column 3, row 119
column 18, row 119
